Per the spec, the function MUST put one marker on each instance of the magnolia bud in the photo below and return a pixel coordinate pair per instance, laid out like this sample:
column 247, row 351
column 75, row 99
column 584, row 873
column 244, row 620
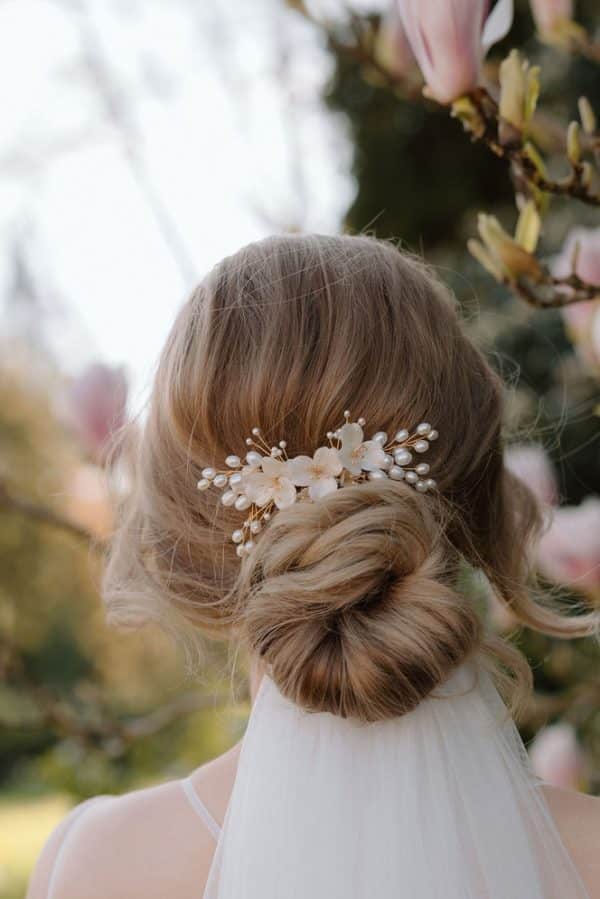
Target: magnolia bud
column 574, row 143
column 587, row 115
column 519, row 90
column 506, row 253
column 528, row 227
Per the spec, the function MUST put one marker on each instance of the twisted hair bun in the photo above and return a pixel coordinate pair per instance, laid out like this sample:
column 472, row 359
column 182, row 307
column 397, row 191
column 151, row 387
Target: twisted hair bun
column 349, row 599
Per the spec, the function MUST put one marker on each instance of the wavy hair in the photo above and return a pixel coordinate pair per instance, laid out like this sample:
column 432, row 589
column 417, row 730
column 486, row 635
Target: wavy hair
column 352, row 600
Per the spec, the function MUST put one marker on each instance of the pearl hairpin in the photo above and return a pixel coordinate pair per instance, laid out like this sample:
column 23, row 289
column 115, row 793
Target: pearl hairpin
column 268, row 479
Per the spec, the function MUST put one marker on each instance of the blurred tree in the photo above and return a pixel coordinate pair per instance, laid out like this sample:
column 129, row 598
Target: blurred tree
column 71, row 691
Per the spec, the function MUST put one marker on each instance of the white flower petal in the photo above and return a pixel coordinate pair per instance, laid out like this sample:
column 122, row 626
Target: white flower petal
column 350, row 463
column 299, row 470
column 328, row 459
column 274, row 468
column 322, row 487
column 498, row 24
column 373, row 456
column 284, row 494
column 257, row 488
column 351, row 435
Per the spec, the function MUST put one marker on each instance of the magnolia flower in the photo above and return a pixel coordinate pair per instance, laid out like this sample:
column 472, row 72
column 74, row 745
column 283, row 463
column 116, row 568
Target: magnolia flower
column 356, row 455
column 581, row 245
column 548, row 14
column 581, row 253
column 556, row 757
column 271, row 482
column 569, row 551
column 531, row 464
column 450, row 39
column 392, row 49
column 319, row 473
column 97, row 401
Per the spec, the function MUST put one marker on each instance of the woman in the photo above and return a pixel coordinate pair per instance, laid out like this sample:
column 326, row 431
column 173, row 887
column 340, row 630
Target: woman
column 379, row 760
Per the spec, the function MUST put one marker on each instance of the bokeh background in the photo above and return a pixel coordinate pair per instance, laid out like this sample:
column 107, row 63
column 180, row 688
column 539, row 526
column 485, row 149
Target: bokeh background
column 141, row 141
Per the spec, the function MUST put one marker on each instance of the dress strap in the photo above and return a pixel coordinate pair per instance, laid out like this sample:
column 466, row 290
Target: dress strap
column 69, row 824
column 199, row 807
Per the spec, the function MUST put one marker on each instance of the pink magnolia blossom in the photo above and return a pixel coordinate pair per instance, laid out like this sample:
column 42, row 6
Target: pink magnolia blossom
column 569, row 551
column 97, row 402
column 450, row 39
column 582, row 319
column 548, row 13
column 556, row 756
column 392, row 49
column 531, row 464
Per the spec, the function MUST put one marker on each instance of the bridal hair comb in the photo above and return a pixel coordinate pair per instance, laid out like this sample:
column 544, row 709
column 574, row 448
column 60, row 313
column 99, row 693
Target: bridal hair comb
column 269, row 479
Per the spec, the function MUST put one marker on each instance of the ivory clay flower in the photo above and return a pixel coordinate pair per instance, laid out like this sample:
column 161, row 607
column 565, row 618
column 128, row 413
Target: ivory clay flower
column 357, row 455
column 271, row 483
column 269, row 477
column 319, row 473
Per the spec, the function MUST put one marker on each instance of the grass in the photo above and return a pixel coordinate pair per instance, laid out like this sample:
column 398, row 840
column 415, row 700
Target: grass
column 25, row 824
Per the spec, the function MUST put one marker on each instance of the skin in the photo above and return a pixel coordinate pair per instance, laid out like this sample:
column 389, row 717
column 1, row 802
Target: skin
column 117, row 847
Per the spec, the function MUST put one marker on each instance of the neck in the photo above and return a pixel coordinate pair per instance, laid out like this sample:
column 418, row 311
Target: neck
column 257, row 670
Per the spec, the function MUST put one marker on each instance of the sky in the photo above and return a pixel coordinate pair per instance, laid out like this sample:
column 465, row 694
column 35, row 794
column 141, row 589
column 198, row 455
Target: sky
column 141, row 142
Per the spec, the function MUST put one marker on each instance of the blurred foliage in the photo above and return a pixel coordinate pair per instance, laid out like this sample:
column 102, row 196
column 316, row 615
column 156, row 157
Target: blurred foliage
column 78, row 704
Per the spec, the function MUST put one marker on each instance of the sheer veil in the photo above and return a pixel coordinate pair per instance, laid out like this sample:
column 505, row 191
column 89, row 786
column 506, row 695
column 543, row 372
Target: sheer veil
column 437, row 804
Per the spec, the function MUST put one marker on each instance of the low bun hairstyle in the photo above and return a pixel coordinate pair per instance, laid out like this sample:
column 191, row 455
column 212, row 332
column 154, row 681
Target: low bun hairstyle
column 351, row 600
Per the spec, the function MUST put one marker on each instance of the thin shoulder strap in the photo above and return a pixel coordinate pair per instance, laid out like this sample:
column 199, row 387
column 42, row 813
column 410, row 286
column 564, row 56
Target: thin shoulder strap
column 199, row 807
column 68, row 825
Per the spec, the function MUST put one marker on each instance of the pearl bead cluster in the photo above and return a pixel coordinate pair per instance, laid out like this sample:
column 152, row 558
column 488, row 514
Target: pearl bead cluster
column 232, row 479
column 401, row 461
column 267, row 479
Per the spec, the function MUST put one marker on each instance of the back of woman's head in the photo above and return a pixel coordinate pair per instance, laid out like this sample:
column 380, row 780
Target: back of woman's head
column 351, row 599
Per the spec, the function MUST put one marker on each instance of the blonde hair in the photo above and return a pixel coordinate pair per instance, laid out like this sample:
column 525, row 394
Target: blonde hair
column 351, row 600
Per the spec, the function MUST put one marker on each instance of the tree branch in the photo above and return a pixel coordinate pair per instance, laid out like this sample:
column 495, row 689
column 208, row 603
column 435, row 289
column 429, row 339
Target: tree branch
column 45, row 516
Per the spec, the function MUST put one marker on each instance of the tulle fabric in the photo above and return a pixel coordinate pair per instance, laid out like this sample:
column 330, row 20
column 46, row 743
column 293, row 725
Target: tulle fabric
column 437, row 804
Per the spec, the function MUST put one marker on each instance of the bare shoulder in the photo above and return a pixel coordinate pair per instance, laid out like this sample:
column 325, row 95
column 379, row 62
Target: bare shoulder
column 577, row 818
column 148, row 843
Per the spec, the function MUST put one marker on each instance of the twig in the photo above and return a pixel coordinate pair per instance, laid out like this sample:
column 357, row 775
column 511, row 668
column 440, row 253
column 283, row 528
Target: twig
column 489, row 131
column 586, row 46
column 99, row 725
column 45, row 515
column 360, row 50
column 548, row 294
